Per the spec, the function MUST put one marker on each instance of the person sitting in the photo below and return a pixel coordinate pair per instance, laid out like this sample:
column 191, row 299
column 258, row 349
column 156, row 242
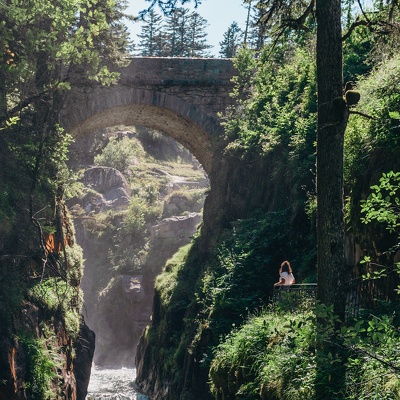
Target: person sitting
column 286, row 277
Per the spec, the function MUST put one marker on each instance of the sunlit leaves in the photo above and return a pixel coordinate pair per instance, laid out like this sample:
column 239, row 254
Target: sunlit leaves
column 279, row 109
column 383, row 204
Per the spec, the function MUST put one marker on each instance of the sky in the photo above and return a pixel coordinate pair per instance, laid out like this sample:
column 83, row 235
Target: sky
column 219, row 14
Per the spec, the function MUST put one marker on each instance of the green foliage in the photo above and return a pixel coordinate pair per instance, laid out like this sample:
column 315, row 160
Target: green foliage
column 247, row 261
column 383, row 207
column 73, row 264
column 42, row 362
column 372, row 144
column 168, row 280
column 383, row 204
column 76, row 33
column 280, row 109
column 373, row 362
column 57, row 296
column 282, row 355
column 134, row 220
column 270, row 356
column 120, row 154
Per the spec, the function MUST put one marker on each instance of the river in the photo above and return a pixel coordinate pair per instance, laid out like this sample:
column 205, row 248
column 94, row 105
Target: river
column 113, row 384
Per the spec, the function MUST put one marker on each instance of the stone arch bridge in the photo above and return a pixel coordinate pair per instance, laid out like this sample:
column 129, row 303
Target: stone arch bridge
column 180, row 97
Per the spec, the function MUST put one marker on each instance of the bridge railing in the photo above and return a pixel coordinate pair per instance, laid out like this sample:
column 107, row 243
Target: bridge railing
column 368, row 295
column 363, row 296
column 290, row 296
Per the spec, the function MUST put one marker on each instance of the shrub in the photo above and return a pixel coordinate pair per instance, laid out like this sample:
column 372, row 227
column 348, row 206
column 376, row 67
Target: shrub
column 41, row 368
column 269, row 357
column 55, row 295
column 120, row 154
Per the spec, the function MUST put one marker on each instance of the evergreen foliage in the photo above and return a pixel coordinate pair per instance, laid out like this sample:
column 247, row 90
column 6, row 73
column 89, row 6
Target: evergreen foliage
column 231, row 41
column 181, row 34
column 151, row 43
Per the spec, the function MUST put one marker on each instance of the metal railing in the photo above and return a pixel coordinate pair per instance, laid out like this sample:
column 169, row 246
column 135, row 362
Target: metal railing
column 367, row 295
column 292, row 295
column 363, row 295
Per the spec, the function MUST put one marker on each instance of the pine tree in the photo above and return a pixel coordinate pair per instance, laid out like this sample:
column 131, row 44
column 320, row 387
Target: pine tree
column 231, row 42
column 175, row 37
column 151, row 43
column 257, row 31
column 197, row 36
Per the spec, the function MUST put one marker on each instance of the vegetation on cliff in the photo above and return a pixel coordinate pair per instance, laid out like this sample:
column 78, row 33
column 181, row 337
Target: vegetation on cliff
column 229, row 335
column 271, row 352
column 41, row 42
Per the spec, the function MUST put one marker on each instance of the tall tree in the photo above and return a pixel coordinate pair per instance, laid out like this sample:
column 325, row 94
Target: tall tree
column 257, row 31
column 151, row 43
column 197, row 36
column 184, row 34
column 174, row 29
column 42, row 42
column 247, row 3
column 332, row 121
column 231, row 41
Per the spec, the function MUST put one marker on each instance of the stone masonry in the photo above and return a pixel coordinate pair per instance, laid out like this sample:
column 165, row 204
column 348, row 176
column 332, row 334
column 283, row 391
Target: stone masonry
column 180, row 97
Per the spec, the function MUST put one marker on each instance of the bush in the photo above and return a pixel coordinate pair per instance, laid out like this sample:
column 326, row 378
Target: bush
column 120, row 154
column 41, row 368
column 270, row 357
column 54, row 295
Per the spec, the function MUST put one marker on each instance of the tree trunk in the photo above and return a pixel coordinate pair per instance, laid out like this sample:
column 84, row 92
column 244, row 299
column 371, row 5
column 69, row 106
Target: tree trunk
column 332, row 120
column 3, row 98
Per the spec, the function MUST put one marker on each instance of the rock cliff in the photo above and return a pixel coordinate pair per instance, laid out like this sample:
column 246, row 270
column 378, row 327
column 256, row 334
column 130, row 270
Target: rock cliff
column 40, row 344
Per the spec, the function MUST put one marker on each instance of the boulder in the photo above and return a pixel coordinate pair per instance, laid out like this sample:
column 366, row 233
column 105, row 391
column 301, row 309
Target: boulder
column 132, row 288
column 111, row 189
column 178, row 226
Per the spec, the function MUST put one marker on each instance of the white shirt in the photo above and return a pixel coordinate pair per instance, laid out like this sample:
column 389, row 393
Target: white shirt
column 289, row 278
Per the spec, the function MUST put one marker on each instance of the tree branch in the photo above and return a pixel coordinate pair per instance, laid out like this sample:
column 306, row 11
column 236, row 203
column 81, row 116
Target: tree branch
column 361, row 114
column 377, row 358
column 362, row 10
column 298, row 23
column 358, row 22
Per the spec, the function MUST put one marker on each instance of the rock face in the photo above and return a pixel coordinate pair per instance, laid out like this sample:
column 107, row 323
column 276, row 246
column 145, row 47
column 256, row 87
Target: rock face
column 15, row 361
column 178, row 226
column 132, row 288
column 122, row 312
column 110, row 186
column 123, row 309
column 84, row 348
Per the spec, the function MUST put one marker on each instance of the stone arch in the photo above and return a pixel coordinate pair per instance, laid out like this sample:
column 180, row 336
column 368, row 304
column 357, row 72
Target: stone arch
column 171, row 115
column 166, row 121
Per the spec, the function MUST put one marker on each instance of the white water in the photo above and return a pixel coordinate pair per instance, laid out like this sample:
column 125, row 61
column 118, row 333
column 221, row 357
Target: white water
column 113, row 384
